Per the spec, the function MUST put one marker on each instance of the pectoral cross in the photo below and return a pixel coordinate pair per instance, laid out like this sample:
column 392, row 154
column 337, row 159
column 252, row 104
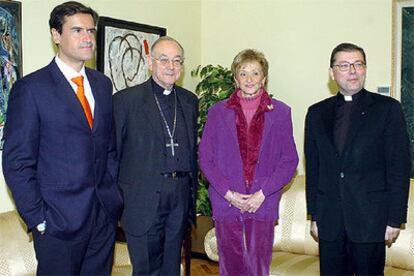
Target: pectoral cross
column 172, row 145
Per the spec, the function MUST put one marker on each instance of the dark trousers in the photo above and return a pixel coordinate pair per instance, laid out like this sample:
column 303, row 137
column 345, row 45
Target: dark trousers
column 90, row 256
column 344, row 257
column 158, row 252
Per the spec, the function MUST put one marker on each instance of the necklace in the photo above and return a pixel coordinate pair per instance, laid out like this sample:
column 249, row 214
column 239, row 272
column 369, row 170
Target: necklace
column 170, row 134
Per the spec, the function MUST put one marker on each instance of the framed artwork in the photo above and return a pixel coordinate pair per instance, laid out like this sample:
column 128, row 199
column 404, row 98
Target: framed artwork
column 10, row 53
column 403, row 63
column 122, row 50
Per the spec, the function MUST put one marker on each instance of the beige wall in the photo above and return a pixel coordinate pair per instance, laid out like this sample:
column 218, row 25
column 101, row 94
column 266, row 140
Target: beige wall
column 180, row 17
column 297, row 37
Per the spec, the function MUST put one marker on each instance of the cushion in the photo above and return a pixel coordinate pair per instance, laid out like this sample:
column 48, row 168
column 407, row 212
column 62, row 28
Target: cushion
column 210, row 245
column 295, row 251
column 401, row 253
column 293, row 228
column 17, row 255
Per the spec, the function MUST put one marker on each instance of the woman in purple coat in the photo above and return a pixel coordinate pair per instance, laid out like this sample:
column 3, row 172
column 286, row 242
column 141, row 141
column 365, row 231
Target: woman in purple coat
column 248, row 155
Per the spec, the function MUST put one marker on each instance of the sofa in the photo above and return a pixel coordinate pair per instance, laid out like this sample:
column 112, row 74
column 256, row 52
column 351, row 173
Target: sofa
column 17, row 256
column 295, row 252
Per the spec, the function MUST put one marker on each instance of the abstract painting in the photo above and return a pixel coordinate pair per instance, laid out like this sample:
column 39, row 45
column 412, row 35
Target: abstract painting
column 122, row 50
column 10, row 53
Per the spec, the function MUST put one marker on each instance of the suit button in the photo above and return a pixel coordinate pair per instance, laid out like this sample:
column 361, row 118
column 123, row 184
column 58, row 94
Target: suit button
column 341, row 175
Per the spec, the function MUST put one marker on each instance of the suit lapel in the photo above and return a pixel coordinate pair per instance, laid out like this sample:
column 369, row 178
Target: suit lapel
column 229, row 119
column 151, row 110
column 65, row 93
column 268, row 122
column 98, row 100
column 328, row 118
column 189, row 117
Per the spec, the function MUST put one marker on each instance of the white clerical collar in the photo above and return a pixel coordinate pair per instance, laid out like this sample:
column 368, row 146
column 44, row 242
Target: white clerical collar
column 167, row 92
column 348, row 98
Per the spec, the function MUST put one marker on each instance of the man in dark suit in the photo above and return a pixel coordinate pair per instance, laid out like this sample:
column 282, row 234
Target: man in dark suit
column 59, row 156
column 357, row 170
column 156, row 125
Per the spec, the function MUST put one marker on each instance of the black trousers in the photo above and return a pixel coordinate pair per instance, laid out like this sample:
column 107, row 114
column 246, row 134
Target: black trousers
column 158, row 252
column 91, row 256
column 344, row 257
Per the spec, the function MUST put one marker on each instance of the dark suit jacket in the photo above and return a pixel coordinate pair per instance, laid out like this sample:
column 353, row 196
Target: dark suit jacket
column 140, row 146
column 366, row 186
column 54, row 164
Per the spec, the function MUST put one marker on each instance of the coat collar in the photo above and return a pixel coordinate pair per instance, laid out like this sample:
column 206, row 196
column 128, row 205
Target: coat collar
column 190, row 114
column 264, row 106
column 151, row 109
column 233, row 103
column 98, row 97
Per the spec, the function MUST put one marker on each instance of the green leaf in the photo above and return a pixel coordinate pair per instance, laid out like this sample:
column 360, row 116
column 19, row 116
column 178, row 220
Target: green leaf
column 216, row 84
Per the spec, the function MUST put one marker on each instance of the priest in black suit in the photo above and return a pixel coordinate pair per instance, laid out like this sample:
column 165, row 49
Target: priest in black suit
column 156, row 125
column 357, row 170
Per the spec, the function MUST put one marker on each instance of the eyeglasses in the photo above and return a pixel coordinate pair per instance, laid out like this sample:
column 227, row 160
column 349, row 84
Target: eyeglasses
column 346, row 66
column 176, row 62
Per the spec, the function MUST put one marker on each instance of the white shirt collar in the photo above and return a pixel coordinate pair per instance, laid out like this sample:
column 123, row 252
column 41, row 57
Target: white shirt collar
column 68, row 71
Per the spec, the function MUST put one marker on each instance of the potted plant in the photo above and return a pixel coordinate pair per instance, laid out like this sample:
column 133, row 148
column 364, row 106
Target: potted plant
column 216, row 84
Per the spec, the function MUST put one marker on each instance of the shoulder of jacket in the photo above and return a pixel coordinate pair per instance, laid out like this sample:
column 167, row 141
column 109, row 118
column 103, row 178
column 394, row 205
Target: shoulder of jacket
column 322, row 104
column 187, row 93
column 281, row 106
column 131, row 92
column 218, row 107
column 378, row 98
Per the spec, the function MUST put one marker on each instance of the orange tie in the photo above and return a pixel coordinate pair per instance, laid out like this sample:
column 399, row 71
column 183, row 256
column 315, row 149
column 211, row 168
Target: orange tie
column 83, row 100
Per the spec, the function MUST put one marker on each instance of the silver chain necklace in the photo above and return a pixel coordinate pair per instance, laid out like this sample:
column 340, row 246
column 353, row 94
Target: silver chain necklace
column 171, row 135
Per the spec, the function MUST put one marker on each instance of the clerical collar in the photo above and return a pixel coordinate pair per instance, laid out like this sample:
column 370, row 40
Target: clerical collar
column 346, row 98
column 159, row 90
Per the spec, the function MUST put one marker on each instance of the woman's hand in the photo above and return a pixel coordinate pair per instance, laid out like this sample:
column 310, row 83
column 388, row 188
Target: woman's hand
column 236, row 199
column 253, row 203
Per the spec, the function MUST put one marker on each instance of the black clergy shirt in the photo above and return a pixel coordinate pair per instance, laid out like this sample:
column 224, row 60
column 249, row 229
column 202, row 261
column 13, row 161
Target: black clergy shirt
column 343, row 115
column 181, row 159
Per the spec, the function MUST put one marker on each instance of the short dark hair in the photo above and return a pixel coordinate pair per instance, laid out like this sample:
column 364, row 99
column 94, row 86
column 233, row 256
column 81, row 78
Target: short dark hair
column 57, row 16
column 346, row 47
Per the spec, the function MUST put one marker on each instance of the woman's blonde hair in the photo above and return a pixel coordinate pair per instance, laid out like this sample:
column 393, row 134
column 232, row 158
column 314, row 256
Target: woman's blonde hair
column 250, row 55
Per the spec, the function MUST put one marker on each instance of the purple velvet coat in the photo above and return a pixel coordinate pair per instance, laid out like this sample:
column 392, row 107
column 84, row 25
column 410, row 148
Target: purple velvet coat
column 221, row 162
